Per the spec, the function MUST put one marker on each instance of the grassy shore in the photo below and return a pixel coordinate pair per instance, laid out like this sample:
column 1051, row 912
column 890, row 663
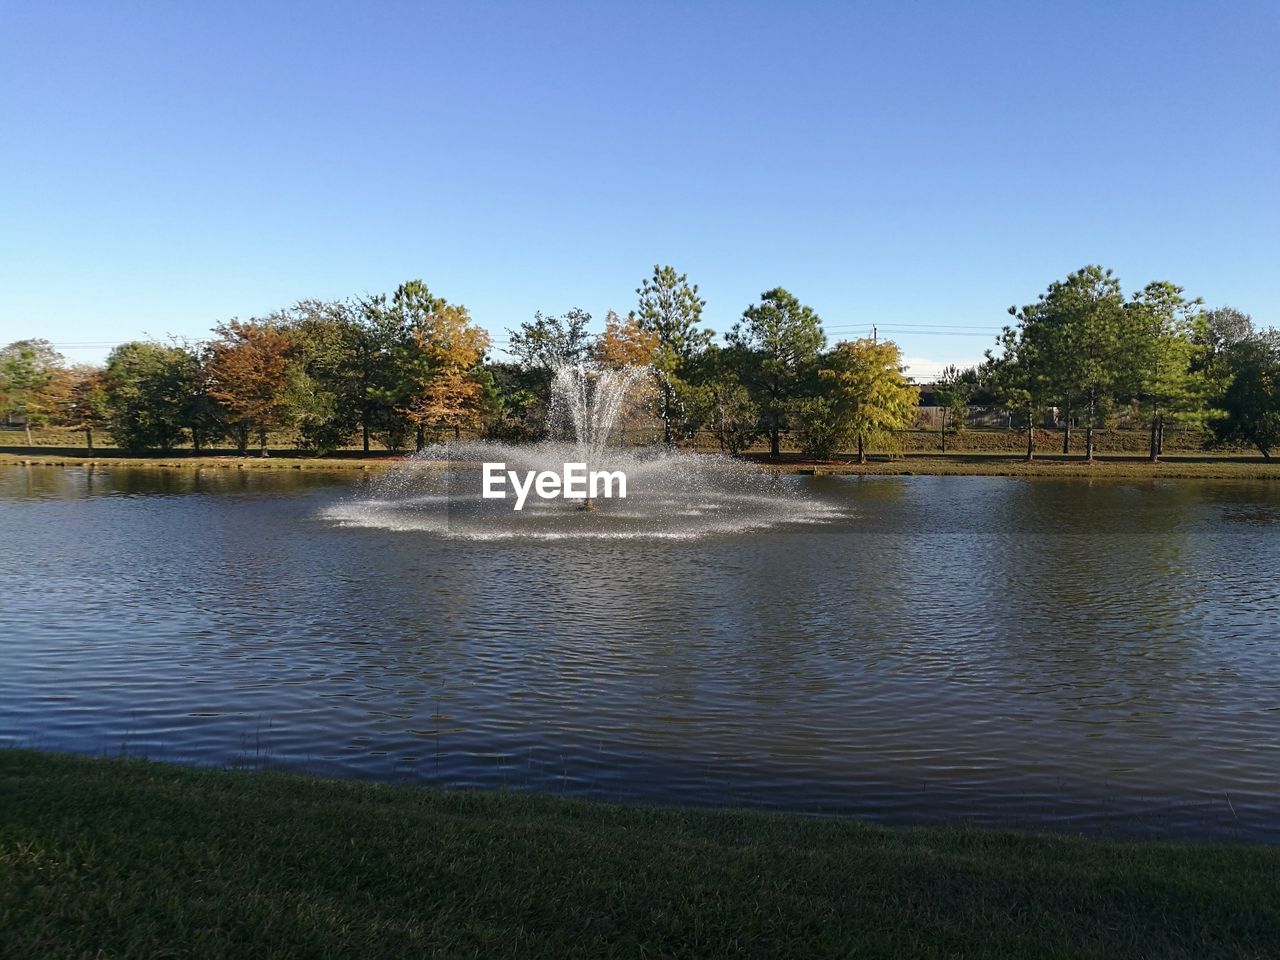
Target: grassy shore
column 1002, row 465
column 958, row 464
column 126, row 858
column 182, row 460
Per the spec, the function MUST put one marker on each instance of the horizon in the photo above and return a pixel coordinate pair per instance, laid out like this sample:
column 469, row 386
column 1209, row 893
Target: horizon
column 918, row 170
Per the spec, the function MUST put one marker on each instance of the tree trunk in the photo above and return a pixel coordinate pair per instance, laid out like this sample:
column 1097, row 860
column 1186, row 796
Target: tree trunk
column 943, row 433
column 262, row 443
column 1031, row 435
column 27, row 427
column 862, row 453
column 364, row 429
column 1160, row 438
column 195, row 442
column 1153, row 446
column 1066, row 434
column 419, row 438
column 88, row 437
column 1088, row 434
column 667, row 403
column 775, row 442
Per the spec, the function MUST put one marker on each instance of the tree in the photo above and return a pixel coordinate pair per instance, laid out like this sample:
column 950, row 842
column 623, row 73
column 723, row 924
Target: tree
column 1074, row 335
column 540, row 346
column 952, row 391
column 248, row 370
column 148, row 388
column 84, row 401
column 1163, row 367
column 1015, row 378
column 546, row 342
column 867, row 390
column 389, row 362
column 671, row 309
column 1223, row 327
column 624, row 343
column 324, row 389
column 716, row 399
column 735, row 418
column 449, row 391
column 820, row 429
column 1250, row 404
column 515, row 410
column 780, row 340
column 27, row 371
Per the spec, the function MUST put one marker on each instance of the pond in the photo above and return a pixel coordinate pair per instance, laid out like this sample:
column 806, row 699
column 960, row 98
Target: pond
column 1083, row 655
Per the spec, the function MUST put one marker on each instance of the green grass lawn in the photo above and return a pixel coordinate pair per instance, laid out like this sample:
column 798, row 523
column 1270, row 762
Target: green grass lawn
column 115, row 858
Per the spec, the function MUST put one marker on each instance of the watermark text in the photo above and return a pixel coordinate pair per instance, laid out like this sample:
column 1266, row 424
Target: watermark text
column 574, row 482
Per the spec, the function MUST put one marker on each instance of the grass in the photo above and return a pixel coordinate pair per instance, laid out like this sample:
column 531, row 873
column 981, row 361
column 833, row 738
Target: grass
column 127, row 858
column 1180, row 466
column 1001, row 465
column 183, row 460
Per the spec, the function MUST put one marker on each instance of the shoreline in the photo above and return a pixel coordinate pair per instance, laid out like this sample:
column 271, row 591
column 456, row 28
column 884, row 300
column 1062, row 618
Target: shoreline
column 1172, row 467
column 116, row 856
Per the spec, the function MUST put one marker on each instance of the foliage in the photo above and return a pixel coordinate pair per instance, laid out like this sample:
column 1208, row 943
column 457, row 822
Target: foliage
column 1250, row 405
column 715, row 399
column 27, row 371
column 148, row 393
column 779, row 340
column 1223, row 327
column 323, row 393
column 545, row 342
column 390, row 367
column 734, row 417
column 249, row 375
column 83, row 399
column 820, row 428
column 670, row 310
column 447, row 391
column 624, row 343
column 952, row 391
column 1075, row 332
column 540, row 346
column 401, row 366
column 1083, row 348
column 868, row 393
column 1164, row 369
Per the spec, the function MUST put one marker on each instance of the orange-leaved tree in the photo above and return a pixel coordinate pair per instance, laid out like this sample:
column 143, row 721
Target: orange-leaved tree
column 624, row 343
column 447, row 390
column 247, row 368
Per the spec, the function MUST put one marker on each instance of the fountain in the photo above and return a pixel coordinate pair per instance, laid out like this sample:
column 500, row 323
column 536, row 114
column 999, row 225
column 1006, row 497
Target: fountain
column 670, row 494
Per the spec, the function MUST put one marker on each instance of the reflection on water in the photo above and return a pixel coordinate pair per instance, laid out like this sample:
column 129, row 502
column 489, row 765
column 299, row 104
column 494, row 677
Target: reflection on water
column 1093, row 655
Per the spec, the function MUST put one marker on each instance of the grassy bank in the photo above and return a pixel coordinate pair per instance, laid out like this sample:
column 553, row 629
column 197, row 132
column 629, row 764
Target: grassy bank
column 134, row 859
column 185, row 461
column 997, row 465
column 952, row 465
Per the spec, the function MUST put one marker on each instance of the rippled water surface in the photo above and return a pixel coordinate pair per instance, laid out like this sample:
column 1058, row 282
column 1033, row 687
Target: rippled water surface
column 1082, row 655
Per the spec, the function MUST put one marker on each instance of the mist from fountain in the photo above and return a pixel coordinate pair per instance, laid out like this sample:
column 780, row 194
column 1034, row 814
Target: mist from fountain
column 672, row 494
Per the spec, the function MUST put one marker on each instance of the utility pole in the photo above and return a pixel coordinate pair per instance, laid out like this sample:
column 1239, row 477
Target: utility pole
column 874, row 338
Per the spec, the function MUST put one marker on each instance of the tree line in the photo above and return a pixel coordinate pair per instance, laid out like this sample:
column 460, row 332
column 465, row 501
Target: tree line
column 406, row 368
column 1156, row 358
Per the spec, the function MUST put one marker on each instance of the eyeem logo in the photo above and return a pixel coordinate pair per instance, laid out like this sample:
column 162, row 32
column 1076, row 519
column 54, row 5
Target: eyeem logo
column 573, row 483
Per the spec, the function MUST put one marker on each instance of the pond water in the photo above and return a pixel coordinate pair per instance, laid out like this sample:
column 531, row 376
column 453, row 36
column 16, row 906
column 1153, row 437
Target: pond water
column 1082, row 655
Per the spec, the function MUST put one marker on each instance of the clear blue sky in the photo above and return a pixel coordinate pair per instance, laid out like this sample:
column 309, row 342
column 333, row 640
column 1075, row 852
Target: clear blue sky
column 917, row 166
